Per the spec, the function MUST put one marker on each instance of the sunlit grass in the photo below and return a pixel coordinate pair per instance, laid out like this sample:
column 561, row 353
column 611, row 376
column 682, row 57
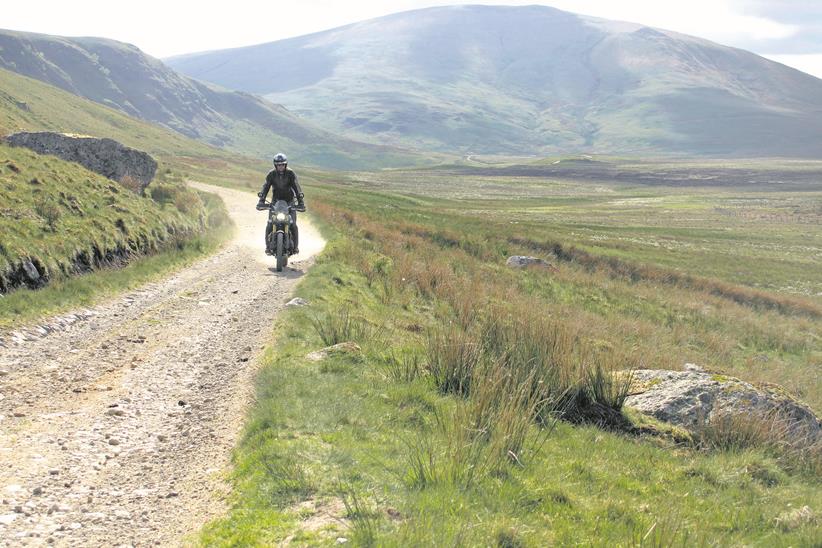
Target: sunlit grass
column 444, row 429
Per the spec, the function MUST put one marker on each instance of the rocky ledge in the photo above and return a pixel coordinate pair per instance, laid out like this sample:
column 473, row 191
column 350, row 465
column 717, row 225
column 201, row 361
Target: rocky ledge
column 132, row 168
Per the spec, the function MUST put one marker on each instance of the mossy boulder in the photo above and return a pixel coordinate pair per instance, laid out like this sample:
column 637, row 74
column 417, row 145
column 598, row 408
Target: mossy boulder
column 690, row 399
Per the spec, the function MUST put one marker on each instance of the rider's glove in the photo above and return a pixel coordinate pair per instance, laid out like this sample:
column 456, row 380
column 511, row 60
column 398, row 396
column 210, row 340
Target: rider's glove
column 260, row 205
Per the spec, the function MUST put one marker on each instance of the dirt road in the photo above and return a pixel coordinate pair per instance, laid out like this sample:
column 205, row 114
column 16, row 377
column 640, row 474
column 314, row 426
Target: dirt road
column 116, row 423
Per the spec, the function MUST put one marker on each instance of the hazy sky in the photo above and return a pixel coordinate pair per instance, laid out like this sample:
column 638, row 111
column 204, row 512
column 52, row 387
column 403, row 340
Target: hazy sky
column 789, row 31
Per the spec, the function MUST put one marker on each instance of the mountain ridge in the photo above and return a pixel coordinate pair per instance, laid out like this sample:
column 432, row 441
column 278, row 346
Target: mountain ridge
column 532, row 80
column 121, row 76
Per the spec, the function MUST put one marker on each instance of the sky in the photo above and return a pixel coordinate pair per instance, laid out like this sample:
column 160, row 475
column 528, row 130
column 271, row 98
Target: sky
column 788, row 31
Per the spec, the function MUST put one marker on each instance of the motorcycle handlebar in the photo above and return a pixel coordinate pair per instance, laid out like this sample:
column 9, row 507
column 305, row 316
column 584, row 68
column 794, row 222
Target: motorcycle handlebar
column 267, row 205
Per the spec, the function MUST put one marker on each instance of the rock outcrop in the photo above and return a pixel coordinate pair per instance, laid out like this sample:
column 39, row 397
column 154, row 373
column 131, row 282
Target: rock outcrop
column 132, row 168
column 521, row 261
column 336, row 350
column 694, row 397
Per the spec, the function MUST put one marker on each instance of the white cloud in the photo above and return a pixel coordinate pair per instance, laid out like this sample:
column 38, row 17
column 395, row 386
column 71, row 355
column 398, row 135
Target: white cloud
column 711, row 19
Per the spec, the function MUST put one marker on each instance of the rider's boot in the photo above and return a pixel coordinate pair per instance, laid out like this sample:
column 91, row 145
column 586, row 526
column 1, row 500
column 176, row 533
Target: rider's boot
column 268, row 229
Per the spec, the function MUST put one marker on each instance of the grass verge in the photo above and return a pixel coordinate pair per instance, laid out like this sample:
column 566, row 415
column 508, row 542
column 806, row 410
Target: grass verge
column 387, row 446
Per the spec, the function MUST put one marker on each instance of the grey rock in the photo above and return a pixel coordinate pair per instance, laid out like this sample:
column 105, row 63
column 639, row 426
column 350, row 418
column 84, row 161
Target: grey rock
column 297, row 302
column 521, row 261
column 342, row 348
column 690, row 399
column 30, row 271
column 133, row 168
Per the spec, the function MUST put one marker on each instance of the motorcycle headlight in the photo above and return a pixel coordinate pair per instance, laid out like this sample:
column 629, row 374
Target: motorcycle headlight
column 281, row 216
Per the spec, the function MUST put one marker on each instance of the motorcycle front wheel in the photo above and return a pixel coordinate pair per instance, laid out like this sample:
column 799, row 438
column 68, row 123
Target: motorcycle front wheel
column 282, row 259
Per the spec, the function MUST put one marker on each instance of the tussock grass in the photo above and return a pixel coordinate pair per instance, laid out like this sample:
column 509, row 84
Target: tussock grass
column 481, row 436
column 453, row 355
column 403, row 365
column 287, row 480
column 545, row 354
column 362, row 516
column 340, row 325
column 791, row 444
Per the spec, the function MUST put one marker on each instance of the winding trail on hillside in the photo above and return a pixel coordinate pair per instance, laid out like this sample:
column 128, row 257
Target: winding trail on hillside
column 117, row 422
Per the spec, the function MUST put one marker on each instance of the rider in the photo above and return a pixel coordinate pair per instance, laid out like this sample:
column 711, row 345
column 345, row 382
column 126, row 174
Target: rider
column 284, row 185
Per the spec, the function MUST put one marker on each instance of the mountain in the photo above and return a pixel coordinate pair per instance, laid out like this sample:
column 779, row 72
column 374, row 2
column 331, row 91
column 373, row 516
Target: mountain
column 529, row 80
column 122, row 77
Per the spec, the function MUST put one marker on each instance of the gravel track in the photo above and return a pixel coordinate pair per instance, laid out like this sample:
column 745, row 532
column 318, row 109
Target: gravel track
column 117, row 422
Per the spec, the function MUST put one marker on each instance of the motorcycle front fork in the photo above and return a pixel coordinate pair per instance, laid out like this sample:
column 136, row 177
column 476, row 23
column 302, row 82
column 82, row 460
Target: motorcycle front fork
column 271, row 234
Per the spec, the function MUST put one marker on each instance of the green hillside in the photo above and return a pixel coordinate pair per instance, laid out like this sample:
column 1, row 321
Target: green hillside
column 122, row 77
column 529, row 80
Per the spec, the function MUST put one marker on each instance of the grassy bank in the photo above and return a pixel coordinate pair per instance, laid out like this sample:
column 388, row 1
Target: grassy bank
column 25, row 306
column 60, row 221
column 477, row 411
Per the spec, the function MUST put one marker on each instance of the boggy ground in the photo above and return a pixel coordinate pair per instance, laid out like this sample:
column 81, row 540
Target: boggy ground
column 115, row 428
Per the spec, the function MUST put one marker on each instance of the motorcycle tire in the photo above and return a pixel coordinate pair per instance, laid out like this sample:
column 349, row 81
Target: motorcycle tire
column 280, row 249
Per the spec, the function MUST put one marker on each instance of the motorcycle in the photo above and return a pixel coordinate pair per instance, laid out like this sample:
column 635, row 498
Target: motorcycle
column 279, row 242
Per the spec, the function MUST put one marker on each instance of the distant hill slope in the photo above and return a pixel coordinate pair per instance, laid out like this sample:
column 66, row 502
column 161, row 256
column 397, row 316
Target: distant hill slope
column 30, row 105
column 122, row 77
column 531, row 79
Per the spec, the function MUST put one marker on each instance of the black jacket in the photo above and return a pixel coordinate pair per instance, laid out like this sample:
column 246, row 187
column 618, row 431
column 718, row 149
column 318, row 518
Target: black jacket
column 284, row 187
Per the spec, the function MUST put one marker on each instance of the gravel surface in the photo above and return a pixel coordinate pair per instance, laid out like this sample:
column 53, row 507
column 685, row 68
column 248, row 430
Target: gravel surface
column 117, row 422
